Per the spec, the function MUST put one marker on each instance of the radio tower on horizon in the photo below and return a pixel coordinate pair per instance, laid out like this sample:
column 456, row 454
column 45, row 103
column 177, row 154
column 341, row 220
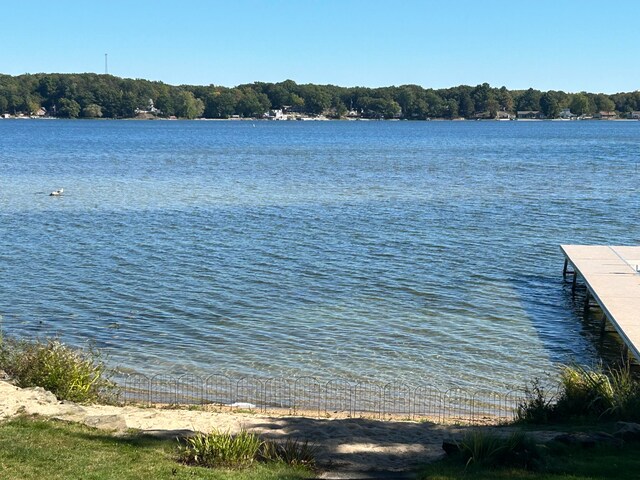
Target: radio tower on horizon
column 106, row 68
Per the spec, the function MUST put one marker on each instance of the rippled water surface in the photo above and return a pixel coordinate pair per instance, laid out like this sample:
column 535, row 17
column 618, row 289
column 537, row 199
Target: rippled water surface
column 421, row 251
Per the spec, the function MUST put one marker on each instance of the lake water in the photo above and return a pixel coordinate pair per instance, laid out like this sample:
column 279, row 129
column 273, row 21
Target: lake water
column 417, row 251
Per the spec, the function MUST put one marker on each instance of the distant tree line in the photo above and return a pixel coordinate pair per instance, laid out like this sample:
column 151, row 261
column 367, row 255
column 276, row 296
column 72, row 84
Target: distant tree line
column 90, row 95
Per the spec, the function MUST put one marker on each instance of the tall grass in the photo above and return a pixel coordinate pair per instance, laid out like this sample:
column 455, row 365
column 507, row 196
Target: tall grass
column 223, row 449
column 608, row 394
column 71, row 374
column 485, row 449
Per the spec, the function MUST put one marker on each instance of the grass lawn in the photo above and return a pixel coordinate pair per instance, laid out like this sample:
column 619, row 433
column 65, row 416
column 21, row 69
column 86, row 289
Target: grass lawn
column 568, row 463
column 36, row 449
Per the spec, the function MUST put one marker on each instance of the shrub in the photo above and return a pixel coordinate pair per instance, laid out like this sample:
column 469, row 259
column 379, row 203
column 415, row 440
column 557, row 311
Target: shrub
column 70, row 374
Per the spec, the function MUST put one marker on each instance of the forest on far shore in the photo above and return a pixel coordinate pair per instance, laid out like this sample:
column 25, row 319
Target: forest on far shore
column 89, row 95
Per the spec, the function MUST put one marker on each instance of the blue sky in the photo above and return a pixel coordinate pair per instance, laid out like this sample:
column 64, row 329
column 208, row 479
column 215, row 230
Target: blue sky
column 566, row 45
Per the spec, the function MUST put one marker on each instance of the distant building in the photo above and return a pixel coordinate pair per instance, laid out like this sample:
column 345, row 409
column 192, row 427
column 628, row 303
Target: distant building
column 482, row 115
column 602, row 115
column 566, row 114
column 151, row 109
column 529, row 115
column 276, row 114
column 41, row 112
column 502, row 115
column 635, row 115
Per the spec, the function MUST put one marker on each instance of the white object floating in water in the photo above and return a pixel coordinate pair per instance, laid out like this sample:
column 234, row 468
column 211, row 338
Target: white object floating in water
column 56, row 193
column 242, row 405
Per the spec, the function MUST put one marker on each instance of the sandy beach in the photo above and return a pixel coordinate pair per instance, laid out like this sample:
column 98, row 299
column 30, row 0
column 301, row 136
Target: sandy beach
column 344, row 445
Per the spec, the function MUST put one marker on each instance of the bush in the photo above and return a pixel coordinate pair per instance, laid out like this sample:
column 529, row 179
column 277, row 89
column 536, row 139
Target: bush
column 70, row 374
column 223, row 449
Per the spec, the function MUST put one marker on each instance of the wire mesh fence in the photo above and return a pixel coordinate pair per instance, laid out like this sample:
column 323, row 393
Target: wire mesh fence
column 311, row 396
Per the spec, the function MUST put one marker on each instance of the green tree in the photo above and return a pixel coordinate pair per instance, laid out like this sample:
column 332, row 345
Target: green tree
column 484, row 100
column 580, row 104
column 505, row 100
column 252, row 104
column 451, row 109
column 92, row 111
column 316, row 100
column 338, row 107
column 406, row 98
column 68, row 108
column 278, row 95
column 529, row 100
column 433, row 104
column 188, row 106
column 466, row 108
column 549, row 105
column 220, row 104
column 31, row 104
column 603, row 103
column 296, row 100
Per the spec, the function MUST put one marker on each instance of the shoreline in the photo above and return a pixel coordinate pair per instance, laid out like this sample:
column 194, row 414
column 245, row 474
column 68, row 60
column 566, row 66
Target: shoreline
column 354, row 444
column 326, row 119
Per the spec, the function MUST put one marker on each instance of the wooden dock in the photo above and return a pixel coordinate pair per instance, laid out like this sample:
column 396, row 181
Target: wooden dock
column 612, row 279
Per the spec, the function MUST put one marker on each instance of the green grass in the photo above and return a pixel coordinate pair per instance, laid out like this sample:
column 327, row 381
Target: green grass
column 35, row 449
column 559, row 463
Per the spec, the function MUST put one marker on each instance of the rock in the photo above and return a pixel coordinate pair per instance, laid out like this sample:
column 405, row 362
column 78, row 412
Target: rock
column 41, row 395
column 450, row 447
column 70, row 408
column 627, row 431
column 106, row 422
column 588, row 440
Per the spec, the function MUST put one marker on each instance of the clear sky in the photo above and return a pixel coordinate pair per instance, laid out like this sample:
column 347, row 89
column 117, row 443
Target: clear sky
column 570, row 45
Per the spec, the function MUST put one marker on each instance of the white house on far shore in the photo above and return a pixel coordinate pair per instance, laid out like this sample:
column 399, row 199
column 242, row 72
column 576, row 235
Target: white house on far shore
column 566, row 114
column 276, row 114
